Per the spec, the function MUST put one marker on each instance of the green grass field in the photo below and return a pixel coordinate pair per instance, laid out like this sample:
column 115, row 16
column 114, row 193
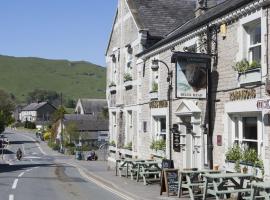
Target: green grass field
column 20, row 76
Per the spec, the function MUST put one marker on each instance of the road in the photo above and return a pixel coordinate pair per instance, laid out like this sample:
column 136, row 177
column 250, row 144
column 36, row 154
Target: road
column 40, row 175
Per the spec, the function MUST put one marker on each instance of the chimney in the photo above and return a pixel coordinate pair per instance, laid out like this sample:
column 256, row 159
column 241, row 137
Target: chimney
column 203, row 5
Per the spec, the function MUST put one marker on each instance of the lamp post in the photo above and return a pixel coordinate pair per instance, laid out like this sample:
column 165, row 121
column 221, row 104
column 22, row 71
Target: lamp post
column 155, row 66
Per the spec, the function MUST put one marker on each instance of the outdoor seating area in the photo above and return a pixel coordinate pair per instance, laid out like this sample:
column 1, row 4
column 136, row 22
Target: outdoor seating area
column 197, row 183
column 146, row 170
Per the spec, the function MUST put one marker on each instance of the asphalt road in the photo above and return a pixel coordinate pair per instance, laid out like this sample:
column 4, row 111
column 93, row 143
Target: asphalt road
column 39, row 176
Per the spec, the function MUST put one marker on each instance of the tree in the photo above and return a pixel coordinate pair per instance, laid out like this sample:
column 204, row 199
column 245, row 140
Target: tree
column 72, row 132
column 43, row 95
column 59, row 113
column 6, row 108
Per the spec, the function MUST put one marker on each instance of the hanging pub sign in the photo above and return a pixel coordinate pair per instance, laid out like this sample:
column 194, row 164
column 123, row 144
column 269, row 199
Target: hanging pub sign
column 191, row 74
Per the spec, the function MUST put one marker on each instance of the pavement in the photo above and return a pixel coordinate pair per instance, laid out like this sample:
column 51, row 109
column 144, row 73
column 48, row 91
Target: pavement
column 99, row 173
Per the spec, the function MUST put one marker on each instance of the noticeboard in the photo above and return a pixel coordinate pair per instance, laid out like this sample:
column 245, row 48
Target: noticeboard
column 169, row 182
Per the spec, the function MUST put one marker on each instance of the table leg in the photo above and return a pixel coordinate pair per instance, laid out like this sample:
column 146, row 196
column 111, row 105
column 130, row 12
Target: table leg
column 180, row 186
column 240, row 186
column 116, row 168
column 205, row 189
column 253, row 191
column 138, row 173
column 127, row 171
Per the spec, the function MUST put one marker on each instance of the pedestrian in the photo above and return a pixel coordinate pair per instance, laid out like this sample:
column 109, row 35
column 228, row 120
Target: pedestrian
column 19, row 154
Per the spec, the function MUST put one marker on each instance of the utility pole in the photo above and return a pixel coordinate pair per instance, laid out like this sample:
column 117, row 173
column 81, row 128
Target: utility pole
column 61, row 121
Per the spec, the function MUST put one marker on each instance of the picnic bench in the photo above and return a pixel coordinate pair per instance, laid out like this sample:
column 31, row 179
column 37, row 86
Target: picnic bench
column 260, row 190
column 225, row 184
column 147, row 169
column 191, row 180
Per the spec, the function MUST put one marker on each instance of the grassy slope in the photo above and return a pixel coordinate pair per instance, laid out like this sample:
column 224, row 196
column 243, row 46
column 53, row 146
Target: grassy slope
column 74, row 79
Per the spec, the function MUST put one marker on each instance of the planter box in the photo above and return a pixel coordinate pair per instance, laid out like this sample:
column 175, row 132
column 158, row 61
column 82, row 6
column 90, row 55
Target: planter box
column 128, row 84
column 250, row 76
column 112, row 148
column 153, row 95
column 229, row 166
column 158, row 153
column 112, row 89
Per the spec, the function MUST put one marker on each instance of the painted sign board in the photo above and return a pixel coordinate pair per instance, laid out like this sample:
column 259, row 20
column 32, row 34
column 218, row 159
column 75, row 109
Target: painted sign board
column 191, row 78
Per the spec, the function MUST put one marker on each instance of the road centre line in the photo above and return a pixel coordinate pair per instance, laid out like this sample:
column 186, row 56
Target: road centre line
column 11, row 197
column 21, row 174
column 41, row 150
column 15, row 183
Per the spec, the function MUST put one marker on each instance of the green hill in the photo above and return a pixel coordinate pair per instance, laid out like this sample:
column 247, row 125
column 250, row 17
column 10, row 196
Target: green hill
column 79, row 79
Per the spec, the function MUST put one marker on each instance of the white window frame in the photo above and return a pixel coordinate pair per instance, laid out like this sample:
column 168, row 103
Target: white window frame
column 238, row 126
column 242, row 40
column 129, row 125
column 129, row 60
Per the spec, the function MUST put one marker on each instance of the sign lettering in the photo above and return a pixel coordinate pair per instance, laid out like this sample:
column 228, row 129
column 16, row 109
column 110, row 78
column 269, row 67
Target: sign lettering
column 243, row 95
column 158, row 104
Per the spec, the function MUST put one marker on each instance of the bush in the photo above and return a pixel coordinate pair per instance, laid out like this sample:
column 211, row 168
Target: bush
column 128, row 146
column 158, row 145
column 54, row 146
column 234, row 154
column 29, row 125
column 47, row 136
column 112, row 143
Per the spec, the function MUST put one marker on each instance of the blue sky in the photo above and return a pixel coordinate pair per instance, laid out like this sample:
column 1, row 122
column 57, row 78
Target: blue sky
column 57, row 29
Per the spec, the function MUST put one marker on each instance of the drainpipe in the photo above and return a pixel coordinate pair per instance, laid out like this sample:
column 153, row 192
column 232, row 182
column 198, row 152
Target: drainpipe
column 209, row 104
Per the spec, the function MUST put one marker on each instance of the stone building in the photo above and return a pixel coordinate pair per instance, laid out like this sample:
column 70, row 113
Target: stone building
column 213, row 105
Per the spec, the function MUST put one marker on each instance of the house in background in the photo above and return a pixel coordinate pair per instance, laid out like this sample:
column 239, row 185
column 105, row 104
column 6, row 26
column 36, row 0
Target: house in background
column 90, row 106
column 93, row 130
column 37, row 112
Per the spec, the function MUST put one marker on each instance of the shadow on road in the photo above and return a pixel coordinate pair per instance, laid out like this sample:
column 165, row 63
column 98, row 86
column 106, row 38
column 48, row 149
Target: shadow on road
column 23, row 142
column 12, row 168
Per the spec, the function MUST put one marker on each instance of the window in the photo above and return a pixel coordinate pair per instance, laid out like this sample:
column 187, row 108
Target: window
column 160, row 127
column 154, row 80
column 246, row 131
column 113, row 75
column 129, row 58
column 129, row 118
column 253, row 41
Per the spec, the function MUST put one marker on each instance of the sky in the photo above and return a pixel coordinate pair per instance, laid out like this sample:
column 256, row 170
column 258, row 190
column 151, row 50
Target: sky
column 56, row 29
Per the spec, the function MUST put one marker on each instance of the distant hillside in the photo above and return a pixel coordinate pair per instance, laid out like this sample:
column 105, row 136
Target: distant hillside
column 20, row 76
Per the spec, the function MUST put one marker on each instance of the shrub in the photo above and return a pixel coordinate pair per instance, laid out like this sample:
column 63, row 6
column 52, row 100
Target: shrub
column 154, row 87
column 29, row 125
column 243, row 66
column 127, row 77
column 158, row 145
column 54, row 146
column 47, row 135
column 128, row 146
column 112, row 143
column 234, row 154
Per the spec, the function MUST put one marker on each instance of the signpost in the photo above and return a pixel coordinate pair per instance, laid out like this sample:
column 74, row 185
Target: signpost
column 169, row 182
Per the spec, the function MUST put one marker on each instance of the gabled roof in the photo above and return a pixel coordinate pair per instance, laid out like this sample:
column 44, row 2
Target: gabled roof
column 87, row 122
column 35, row 106
column 93, row 105
column 161, row 16
column 213, row 13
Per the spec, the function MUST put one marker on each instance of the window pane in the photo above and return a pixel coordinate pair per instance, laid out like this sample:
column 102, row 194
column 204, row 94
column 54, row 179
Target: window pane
column 255, row 53
column 250, row 145
column 255, row 34
column 163, row 124
column 250, row 128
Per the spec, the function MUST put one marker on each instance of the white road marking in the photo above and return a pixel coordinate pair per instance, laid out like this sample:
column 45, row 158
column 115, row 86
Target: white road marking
column 83, row 174
column 32, row 157
column 41, row 150
column 21, row 174
column 15, row 183
column 29, row 170
column 11, row 197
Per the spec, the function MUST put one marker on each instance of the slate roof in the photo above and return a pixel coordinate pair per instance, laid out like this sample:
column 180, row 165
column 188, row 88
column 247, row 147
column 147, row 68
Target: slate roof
column 161, row 16
column 93, row 105
column 35, row 106
column 217, row 11
column 87, row 122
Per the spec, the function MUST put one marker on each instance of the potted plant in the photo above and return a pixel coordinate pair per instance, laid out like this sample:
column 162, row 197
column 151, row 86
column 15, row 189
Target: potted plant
column 158, row 147
column 248, row 72
column 127, row 80
column 154, row 91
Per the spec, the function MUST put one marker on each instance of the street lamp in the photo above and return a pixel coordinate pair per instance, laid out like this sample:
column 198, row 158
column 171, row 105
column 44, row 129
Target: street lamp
column 155, row 66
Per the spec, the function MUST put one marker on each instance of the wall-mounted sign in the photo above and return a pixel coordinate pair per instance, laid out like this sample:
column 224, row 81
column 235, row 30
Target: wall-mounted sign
column 191, row 74
column 243, row 94
column 263, row 104
column 158, row 104
column 219, row 140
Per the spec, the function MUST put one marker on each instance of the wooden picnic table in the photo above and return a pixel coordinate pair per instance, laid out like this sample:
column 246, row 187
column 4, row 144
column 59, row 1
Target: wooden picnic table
column 190, row 179
column 217, row 184
column 260, row 190
column 125, row 165
column 148, row 168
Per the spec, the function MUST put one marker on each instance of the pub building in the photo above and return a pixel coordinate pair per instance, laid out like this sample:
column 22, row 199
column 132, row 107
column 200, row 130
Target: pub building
column 200, row 87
